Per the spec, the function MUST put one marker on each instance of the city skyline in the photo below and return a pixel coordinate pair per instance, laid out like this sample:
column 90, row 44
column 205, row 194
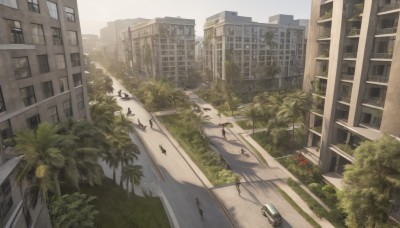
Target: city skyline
column 94, row 15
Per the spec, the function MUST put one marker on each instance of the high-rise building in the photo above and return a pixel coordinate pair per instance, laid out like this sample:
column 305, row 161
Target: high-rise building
column 41, row 80
column 161, row 48
column 90, row 43
column 110, row 36
column 353, row 64
column 252, row 56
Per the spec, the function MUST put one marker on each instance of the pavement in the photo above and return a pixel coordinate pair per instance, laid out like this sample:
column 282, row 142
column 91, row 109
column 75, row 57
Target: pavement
column 178, row 181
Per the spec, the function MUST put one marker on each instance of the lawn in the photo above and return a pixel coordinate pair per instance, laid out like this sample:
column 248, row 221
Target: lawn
column 116, row 210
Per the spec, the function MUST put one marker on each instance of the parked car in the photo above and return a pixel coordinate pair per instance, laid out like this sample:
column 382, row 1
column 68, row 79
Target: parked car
column 272, row 214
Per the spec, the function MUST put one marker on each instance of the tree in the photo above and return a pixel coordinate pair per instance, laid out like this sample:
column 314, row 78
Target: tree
column 132, row 174
column 42, row 158
column 253, row 113
column 232, row 73
column 102, row 111
column 76, row 210
column 269, row 39
column 371, row 182
column 231, row 102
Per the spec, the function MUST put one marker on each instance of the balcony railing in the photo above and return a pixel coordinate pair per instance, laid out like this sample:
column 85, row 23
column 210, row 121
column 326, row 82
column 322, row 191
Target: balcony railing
column 325, row 34
column 322, row 74
column 345, row 148
column 376, row 101
column 318, row 110
column 388, row 7
column 382, row 55
column 349, row 77
column 317, row 129
column 386, row 31
column 344, row 99
column 350, row 55
column 327, row 15
column 323, row 55
column 382, row 79
column 354, row 32
column 325, row 1
column 320, row 92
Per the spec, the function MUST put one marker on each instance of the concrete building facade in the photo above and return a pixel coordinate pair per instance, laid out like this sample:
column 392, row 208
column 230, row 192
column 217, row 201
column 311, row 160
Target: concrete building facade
column 110, row 36
column 90, row 43
column 264, row 55
column 161, row 48
column 353, row 64
column 41, row 80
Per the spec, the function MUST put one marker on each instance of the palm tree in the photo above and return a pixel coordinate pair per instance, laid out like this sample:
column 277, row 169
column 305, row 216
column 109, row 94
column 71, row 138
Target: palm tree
column 252, row 112
column 269, row 39
column 132, row 174
column 42, row 157
column 231, row 102
column 102, row 112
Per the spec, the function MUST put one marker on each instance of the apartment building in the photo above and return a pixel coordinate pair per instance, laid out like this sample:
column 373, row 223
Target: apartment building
column 353, row 64
column 110, row 36
column 90, row 43
column 161, row 48
column 257, row 56
column 41, row 80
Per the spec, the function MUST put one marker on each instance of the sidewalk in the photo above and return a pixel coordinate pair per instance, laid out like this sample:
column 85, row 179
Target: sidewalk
column 275, row 167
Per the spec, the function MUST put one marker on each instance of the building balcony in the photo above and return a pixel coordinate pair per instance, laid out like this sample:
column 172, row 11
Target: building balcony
column 389, row 7
column 386, row 31
column 326, row 1
column 378, row 78
column 382, row 56
column 345, row 148
column 348, row 77
column 345, row 99
column 354, row 32
column 350, row 55
column 375, row 101
column 326, row 17
column 324, row 34
column 323, row 74
column 317, row 129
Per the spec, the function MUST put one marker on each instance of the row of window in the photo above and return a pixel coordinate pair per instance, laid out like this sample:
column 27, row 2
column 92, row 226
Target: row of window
column 33, row 6
column 22, row 68
column 27, row 94
column 17, row 36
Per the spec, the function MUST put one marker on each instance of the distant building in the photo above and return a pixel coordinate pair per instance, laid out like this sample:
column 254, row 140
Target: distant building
column 90, row 43
column 199, row 53
column 266, row 55
column 161, row 48
column 353, row 69
column 41, row 80
column 110, row 36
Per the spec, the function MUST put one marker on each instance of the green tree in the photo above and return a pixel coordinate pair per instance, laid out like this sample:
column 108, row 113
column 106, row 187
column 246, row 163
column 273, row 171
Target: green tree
column 371, row 182
column 42, row 157
column 102, row 111
column 253, row 112
column 132, row 174
column 232, row 74
column 69, row 211
column 231, row 102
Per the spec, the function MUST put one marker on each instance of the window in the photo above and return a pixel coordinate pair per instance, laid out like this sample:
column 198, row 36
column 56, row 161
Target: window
column 77, row 79
column 22, row 69
column 2, row 105
column 33, row 6
column 11, row 4
column 6, row 201
column 53, row 114
column 67, row 108
column 75, row 60
column 63, row 84
column 57, row 39
column 16, row 36
column 28, row 95
column 79, row 102
column 60, row 61
column 70, row 14
column 43, row 63
column 52, row 9
column 47, row 88
column 33, row 121
column 72, row 38
column 38, row 34
column 5, row 133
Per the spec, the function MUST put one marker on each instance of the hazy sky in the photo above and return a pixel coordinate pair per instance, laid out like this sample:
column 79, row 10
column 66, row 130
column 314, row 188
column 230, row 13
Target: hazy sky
column 95, row 13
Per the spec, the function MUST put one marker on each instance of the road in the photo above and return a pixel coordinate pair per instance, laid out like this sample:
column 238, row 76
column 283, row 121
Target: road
column 175, row 178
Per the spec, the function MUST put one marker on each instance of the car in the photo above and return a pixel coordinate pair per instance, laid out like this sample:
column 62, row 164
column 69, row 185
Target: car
column 272, row 214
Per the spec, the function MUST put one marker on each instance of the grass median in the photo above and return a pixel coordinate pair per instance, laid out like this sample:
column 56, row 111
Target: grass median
column 210, row 163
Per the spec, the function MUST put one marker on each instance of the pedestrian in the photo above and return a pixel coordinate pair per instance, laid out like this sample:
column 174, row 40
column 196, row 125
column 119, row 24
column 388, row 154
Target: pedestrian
column 219, row 115
column 151, row 123
column 201, row 212
column 223, row 133
column 164, row 151
column 238, row 189
column 237, row 184
column 197, row 202
column 140, row 124
column 129, row 112
column 242, row 151
column 119, row 93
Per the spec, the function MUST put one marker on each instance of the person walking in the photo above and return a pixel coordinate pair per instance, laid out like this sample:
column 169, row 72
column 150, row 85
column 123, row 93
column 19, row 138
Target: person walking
column 164, row 151
column 243, row 151
column 151, row 123
column 223, row 133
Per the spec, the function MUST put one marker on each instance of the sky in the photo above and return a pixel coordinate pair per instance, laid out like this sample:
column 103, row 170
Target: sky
column 94, row 14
